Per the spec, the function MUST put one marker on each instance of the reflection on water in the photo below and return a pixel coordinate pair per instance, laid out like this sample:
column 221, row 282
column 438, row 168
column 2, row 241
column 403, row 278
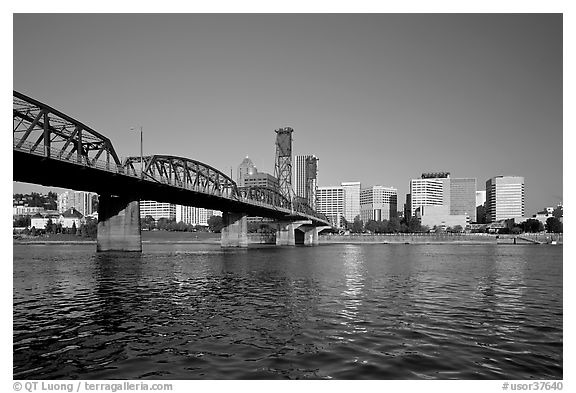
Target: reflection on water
column 339, row 311
column 352, row 294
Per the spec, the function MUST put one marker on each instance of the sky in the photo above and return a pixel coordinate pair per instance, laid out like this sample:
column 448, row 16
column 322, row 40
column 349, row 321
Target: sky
column 378, row 98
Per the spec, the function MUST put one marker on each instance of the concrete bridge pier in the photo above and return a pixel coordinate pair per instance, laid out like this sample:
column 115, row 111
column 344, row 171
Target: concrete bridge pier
column 235, row 230
column 118, row 224
column 297, row 232
column 310, row 235
column 285, row 234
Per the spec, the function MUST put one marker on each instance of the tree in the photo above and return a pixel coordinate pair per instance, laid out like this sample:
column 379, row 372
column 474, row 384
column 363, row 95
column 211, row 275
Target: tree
column 372, row 226
column 532, row 225
column 215, row 224
column 457, row 228
column 344, row 223
column 393, row 225
column 21, row 221
column 89, row 228
column 558, row 211
column 357, row 226
column 554, row 225
column 414, row 225
column 73, row 229
column 50, row 227
column 148, row 222
column 163, row 223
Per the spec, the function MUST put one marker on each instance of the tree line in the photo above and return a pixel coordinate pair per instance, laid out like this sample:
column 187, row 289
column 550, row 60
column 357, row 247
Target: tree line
column 87, row 229
column 412, row 225
column 48, row 202
column 393, row 225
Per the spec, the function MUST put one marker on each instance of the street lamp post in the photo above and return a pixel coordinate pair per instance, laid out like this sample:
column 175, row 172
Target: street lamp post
column 141, row 153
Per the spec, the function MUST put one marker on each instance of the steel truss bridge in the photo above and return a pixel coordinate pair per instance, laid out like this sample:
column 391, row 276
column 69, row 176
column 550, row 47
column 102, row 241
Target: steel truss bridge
column 53, row 149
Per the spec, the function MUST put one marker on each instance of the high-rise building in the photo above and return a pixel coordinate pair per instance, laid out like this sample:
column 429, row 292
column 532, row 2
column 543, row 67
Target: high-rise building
column 351, row 200
column 407, row 206
column 193, row 215
column 504, row 198
column 246, row 168
column 378, row 203
column 330, row 201
column 432, row 189
column 79, row 200
column 463, row 197
column 157, row 210
column 305, row 178
column 261, row 179
column 457, row 195
column 480, row 197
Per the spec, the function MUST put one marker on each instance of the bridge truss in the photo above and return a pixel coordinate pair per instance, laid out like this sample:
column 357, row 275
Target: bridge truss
column 184, row 173
column 47, row 141
column 42, row 130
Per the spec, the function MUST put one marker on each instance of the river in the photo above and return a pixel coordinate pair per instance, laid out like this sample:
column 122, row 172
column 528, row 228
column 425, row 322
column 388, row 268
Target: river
column 370, row 311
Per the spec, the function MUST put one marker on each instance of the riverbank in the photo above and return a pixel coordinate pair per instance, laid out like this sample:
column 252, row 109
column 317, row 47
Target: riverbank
column 148, row 237
column 166, row 237
column 442, row 238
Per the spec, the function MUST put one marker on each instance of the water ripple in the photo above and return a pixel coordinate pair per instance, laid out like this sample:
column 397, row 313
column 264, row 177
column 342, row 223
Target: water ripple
column 334, row 312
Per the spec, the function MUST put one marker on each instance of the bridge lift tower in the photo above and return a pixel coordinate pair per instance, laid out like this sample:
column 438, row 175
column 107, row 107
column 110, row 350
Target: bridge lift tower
column 283, row 164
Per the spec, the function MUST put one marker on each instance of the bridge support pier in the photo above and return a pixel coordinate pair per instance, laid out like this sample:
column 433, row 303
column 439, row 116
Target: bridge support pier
column 118, row 224
column 285, row 234
column 235, row 230
column 310, row 235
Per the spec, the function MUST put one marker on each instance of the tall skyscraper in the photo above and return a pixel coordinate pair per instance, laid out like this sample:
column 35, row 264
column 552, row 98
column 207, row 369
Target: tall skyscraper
column 505, row 198
column 330, row 201
column 305, row 178
column 351, row 200
column 463, row 197
column 246, row 168
column 378, row 203
column 79, row 200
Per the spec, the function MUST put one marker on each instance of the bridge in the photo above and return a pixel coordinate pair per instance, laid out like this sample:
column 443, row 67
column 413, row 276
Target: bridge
column 53, row 149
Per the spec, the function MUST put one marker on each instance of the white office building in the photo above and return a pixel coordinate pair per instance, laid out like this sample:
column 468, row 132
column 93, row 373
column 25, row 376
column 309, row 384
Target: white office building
column 505, row 198
column 429, row 192
column 351, row 200
column 330, row 201
column 305, row 178
column 378, row 203
column 157, row 210
column 193, row 215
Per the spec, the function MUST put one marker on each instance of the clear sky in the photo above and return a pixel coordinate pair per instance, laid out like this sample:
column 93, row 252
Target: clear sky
column 378, row 98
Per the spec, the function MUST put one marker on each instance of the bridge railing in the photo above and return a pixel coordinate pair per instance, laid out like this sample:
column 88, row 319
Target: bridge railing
column 55, row 154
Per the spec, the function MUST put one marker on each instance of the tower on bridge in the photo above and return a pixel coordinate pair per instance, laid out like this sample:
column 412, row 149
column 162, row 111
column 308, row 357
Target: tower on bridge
column 283, row 164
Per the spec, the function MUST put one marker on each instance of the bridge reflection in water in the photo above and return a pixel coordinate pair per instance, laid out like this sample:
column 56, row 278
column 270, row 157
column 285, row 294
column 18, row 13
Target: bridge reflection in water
column 53, row 149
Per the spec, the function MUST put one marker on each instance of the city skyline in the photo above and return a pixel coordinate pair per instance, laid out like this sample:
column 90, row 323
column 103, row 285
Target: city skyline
column 379, row 98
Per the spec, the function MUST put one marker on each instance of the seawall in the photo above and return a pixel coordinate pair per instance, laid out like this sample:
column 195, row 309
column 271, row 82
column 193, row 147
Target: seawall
column 439, row 238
